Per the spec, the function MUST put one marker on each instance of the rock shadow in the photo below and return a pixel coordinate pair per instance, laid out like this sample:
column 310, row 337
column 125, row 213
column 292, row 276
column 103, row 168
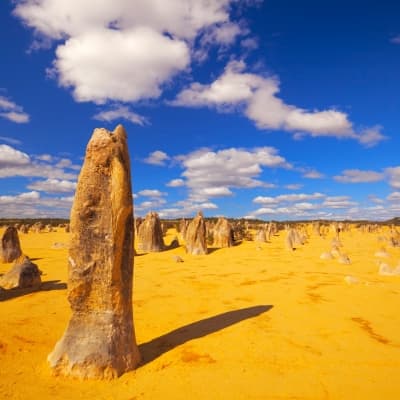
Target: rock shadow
column 8, row 294
column 158, row 346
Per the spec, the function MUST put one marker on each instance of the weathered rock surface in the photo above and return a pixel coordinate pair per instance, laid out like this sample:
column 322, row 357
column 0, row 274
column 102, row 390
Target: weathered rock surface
column 196, row 236
column 261, row 236
column 223, row 233
column 23, row 274
column 99, row 341
column 150, row 236
column 10, row 249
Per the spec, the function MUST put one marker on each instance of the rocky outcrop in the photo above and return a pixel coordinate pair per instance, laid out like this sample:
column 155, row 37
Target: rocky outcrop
column 23, row 274
column 196, row 236
column 99, row 341
column 223, row 233
column 10, row 249
column 150, row 236
column 182, row 228
column 261, row 236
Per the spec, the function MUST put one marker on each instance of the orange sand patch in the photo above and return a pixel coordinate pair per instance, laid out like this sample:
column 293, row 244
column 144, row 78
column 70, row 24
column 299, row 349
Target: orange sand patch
column 239, row 323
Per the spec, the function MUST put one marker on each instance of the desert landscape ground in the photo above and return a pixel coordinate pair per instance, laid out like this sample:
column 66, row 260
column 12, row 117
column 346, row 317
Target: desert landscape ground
column 253, row 321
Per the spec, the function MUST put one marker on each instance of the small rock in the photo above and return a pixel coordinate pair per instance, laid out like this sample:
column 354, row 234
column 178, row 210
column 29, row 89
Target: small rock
column 23, row 274
column 327, row 255
column 177, row 259
column 351, row 280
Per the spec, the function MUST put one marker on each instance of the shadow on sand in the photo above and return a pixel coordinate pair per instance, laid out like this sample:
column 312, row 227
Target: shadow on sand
column 156, row 347
column 45, row 286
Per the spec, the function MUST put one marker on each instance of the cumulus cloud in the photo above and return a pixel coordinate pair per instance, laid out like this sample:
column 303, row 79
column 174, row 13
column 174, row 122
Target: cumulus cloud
column 53, row 186
column 186, row 208
column 12, row 111
column 338, row 202
column 157, row 158
column 312, row 174
column 10, row 157
column 297, row 210
column 288, row 198
column 257, row 97
column 149, row 205
column 393, row 174
column 294, row 186
column 118, row 113
column 394, row 196
column 32, row 205
column 17, row 163
column 358, row 176
column 105, row 50
column 176, row 183
column 212, row 173
column 130, row 71
column 151, row 193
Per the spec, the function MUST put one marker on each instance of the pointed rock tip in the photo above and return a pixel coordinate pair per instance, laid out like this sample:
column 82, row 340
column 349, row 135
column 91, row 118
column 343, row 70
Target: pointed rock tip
column 119, row 131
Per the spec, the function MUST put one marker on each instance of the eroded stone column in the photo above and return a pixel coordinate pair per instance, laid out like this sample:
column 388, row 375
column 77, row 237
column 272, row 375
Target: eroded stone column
column 99, row 341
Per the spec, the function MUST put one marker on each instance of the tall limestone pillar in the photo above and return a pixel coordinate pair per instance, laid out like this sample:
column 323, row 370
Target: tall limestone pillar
column 99, row 341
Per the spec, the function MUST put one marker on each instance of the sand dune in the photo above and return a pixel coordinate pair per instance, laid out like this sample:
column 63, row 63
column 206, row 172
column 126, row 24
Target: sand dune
column 238, row 323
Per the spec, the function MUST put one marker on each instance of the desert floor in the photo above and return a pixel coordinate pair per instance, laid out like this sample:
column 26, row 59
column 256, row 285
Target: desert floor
column 249, row 322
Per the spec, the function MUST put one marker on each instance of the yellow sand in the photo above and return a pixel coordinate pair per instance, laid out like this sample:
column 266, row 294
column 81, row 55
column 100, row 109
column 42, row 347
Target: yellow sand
column 239, row 323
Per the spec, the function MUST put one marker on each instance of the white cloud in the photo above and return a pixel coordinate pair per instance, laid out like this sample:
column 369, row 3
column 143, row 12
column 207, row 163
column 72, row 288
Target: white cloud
column 182, row 18
column 210, row 173
column 22, row 198
column 10, row 140
column 12, row 111
column 53, row 186
column 312, row 174
column 10, row 157
column 32, row 205
column 395, row 196
column 224, row 34
column 157, row 158
column 288, row 198
column 257, row 97
column 151, row 193
column 393, row 174
column 216, row 192
column 358, row 176
column 249, row 43
column 120, row 112
column 176, row 183
column 149, row 205
column 294, row 186
column 338, row 202
column 298, row 210
column 16, row 163
column 106, row 50
column 371, row 136
column 44, row 157
column 129, row 72
column 186, row 209
column 300, row 197
column 374, row 199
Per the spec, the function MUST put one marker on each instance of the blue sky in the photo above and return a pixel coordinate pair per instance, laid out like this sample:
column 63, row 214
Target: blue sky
column 271, row 109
